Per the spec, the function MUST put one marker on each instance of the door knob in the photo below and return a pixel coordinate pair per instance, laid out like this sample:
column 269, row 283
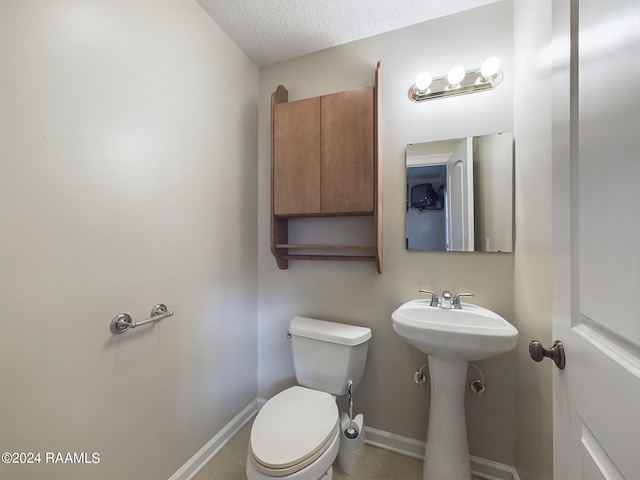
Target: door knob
column 556, row 353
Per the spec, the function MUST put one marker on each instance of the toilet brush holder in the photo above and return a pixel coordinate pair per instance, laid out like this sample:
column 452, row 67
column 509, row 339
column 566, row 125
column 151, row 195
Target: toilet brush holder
column 351, row 453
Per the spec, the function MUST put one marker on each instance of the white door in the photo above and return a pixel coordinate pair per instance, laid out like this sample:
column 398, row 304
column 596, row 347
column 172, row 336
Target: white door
column 460, row 229
column 596, row 239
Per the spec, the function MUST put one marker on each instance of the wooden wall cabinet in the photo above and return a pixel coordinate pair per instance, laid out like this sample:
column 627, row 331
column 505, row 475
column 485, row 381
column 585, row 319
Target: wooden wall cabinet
column 325, row 161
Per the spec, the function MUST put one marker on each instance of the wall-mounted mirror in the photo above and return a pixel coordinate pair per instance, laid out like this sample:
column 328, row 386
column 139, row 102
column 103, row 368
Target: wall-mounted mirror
column 460, row 194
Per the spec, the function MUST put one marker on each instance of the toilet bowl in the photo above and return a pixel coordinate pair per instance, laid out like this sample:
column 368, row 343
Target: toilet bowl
column 296, row 435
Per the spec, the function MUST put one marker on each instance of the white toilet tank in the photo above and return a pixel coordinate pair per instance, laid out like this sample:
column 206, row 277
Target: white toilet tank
column 326, row 355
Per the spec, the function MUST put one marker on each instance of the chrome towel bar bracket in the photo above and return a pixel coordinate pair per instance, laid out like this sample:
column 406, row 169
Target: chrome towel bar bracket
column 123, row 321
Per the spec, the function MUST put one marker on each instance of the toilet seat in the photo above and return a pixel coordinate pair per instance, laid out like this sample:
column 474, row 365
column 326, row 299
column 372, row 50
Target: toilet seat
column 292, row 431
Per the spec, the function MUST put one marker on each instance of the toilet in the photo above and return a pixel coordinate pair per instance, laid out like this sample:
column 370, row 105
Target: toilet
column 296, row 435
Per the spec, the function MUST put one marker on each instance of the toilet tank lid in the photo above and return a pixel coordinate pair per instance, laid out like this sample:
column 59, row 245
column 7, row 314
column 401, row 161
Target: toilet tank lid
column 329, row 331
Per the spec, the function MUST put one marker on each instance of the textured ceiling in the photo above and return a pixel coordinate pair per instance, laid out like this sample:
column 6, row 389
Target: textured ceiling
column 271, row 31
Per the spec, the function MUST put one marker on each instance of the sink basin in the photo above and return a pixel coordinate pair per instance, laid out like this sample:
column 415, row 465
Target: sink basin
column 470, row 334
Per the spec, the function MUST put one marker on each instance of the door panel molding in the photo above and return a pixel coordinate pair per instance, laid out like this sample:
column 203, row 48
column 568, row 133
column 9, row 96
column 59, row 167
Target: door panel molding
column 617, row 348
column 592, row 450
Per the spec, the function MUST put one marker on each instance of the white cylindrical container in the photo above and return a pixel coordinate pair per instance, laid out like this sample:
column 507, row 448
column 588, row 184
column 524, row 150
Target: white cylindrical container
column 351, row 453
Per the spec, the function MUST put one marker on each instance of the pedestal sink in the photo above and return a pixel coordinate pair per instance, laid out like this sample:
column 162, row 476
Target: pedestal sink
column 451, row 338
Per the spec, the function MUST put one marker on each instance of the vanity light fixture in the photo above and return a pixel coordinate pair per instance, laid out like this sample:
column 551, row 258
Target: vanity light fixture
column 457, row 81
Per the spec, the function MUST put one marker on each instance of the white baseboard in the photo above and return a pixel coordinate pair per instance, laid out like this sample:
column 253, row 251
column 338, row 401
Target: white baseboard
column 213, row 446
column 394, row 443
column 480, row 468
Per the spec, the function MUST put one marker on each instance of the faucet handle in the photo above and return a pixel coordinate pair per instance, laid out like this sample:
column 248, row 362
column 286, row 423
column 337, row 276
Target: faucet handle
column 434, row 297
column 456, row 299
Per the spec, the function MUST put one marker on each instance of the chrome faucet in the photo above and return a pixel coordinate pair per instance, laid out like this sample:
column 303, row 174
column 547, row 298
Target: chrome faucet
column 447, row 301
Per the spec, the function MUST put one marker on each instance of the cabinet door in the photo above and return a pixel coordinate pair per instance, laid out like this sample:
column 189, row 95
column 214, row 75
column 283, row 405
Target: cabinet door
column 347, row 162
column 296, row 157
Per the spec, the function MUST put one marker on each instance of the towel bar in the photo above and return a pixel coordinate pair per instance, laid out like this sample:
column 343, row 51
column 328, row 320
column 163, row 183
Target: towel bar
column 123, row 321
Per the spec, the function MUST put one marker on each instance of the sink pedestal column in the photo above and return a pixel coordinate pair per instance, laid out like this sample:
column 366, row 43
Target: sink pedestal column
column 447, row 454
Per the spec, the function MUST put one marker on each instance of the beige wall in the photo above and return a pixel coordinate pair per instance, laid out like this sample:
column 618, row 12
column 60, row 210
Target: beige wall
column 532, row 283
column 128, row 175
column 352, row 291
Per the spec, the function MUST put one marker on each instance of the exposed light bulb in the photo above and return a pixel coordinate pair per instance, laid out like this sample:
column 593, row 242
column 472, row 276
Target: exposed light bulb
column 490, row 67
column 455, row 75
column 423, row 82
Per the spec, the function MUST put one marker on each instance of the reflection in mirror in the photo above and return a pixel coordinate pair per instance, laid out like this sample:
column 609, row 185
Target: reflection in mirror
column 460, row 194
